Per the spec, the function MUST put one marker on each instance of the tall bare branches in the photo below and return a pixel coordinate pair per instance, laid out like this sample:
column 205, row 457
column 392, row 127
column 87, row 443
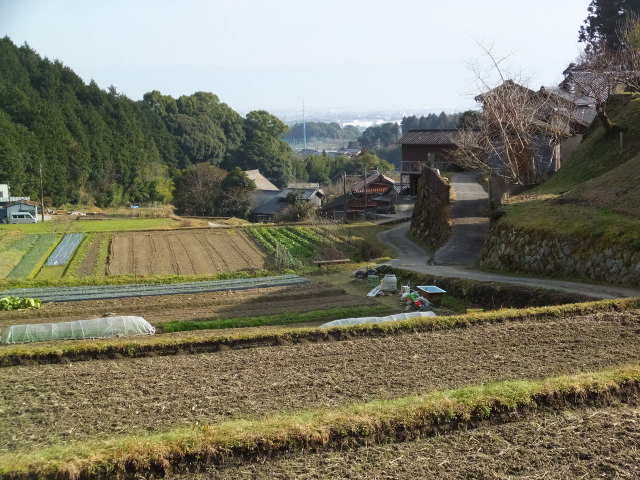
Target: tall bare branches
column 517, row 129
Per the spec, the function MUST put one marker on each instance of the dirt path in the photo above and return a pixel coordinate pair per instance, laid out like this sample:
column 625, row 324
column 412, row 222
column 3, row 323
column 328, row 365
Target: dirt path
column 470, row 222
column 48, row 404
column 589, row 443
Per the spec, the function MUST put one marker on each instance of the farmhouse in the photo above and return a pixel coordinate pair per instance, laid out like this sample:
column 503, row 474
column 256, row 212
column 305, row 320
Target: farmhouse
column 377, row 193
column 16, row 209
column 273, row 203
column 424, row 148
column 269, row 200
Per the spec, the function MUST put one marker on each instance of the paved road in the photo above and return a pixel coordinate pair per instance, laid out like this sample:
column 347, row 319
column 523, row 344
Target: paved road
column 410, row 256
column 470, row 222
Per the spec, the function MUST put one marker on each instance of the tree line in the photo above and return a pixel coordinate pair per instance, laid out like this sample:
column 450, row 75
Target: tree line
column 322, row 130
column 99, row 147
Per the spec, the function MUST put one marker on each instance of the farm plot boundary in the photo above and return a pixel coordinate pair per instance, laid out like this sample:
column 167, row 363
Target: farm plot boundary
column 204, row 343
column 187, row 448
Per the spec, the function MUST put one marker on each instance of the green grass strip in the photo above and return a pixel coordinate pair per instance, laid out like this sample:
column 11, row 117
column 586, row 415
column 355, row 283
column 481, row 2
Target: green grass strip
column 287, row 318
column 320, row 428
column 78, row 255
column 109, row 225
column 168, row 344
column 146, row 279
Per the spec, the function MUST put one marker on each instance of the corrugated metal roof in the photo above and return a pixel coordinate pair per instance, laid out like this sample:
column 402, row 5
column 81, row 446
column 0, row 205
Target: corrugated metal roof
column 429, row 137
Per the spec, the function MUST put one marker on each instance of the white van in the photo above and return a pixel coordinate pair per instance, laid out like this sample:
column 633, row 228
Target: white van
column 22, row 217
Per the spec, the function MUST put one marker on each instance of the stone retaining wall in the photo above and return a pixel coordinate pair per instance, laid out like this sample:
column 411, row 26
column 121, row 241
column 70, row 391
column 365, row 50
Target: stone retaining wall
column 430, row 220
column 565, row 256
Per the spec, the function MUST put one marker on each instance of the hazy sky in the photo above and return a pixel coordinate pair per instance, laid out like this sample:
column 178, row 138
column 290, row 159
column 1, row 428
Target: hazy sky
column 273, row 54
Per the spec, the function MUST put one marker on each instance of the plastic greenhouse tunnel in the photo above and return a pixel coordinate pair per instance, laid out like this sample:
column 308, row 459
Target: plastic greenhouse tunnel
column 117, row 326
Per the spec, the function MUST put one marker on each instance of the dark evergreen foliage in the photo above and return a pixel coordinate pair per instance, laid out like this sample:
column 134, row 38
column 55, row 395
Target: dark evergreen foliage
column 99, row 147
column 605, row 17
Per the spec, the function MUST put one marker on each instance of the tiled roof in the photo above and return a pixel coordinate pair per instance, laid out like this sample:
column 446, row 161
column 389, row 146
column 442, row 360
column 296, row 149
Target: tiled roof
column 268, row 203
column 428, row 137
column 373, row 178
column 304, row 193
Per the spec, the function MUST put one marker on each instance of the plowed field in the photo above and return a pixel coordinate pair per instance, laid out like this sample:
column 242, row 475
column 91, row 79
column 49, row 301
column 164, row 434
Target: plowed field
column 589, row 443
column 187, row 252
column 47, row 404
column 158, row 309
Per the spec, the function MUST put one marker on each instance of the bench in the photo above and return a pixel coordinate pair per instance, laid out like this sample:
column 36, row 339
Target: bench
column 325, row 263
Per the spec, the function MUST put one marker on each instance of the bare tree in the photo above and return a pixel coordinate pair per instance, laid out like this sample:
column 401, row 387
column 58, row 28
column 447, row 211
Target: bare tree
column 517, row 128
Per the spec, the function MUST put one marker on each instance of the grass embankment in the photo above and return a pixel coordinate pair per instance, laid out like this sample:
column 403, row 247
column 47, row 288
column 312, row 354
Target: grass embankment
column 130, row 279
column 376, row 421
column 288, row 318
column 595, row 192
column 197, row 343
column 86, row 226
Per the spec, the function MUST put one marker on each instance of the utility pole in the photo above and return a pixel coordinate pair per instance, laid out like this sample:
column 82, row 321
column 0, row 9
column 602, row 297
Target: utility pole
column 304, row 127
column 365, row 192
column 344, row 192
column 41, row 195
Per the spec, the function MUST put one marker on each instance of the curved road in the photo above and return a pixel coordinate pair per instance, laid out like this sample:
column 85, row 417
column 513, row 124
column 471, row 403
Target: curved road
column 410, row 256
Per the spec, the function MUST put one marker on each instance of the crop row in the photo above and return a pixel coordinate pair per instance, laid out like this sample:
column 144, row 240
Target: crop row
column 295, row 244
column 36, row 249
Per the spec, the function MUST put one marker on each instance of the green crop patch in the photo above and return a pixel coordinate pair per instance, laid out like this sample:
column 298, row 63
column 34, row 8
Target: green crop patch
column 36, row 249
column 278, row 319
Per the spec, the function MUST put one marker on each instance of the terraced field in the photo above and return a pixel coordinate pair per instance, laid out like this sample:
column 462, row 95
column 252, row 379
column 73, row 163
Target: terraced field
column 221, row 304
column 81, row 401
column 589, row 443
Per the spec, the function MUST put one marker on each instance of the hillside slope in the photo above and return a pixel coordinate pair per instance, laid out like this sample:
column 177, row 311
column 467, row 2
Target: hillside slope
column 597, row 190
column 585, row 221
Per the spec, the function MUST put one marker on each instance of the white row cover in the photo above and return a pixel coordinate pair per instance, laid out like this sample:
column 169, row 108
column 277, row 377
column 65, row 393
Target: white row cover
column 118, row 326
column 390, row 318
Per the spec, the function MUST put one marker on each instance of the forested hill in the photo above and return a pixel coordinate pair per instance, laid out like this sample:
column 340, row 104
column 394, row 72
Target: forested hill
column 100, row 146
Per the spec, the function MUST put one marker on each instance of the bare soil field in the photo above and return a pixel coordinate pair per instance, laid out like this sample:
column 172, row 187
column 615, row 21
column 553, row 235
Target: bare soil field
column 183, row 252
column 586, row 443
column 48, row 404
column 162, row 308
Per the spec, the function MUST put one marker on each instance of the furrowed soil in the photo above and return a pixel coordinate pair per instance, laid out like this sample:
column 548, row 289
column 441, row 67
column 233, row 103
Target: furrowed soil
column 587, row 443
column 48, row 404
column 89, row 263
column 188, row 252
column 162, row 308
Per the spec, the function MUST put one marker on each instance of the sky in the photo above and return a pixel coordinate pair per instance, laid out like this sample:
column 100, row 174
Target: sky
column 357, row 55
